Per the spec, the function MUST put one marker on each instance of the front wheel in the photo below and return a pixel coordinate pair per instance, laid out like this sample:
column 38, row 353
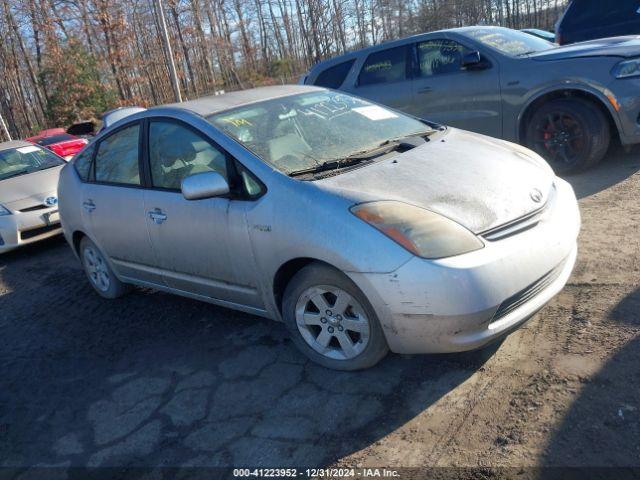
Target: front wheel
column 331, row 321
column 572, row 134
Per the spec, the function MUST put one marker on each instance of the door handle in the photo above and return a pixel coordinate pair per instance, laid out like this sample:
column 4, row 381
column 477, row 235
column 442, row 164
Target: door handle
column 89, row 206
column 157, row 215
column 425, row 90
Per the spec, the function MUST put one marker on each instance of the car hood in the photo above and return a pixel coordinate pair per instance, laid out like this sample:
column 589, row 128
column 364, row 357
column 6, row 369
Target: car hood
column 478, row 181
column 32, row 186
column 628, row 46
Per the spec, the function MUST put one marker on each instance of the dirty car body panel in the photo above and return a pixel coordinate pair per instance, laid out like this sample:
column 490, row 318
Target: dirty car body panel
column 231, row 250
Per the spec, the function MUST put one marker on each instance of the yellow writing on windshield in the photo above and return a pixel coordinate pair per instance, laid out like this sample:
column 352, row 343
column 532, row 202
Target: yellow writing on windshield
column 238, row 122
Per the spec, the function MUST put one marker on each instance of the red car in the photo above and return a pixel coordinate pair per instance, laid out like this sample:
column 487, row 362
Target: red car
column 60, row 142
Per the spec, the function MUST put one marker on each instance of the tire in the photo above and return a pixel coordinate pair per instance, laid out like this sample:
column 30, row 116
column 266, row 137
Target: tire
column 349, row 337
column 99, row 272
column 572, row 134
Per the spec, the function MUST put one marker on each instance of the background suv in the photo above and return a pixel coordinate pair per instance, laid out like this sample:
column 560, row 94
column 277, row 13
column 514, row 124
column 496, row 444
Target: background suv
column 566, row 103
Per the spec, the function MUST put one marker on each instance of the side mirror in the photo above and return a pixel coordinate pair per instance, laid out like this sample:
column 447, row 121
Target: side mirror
column 204, row 185
column 473, row 60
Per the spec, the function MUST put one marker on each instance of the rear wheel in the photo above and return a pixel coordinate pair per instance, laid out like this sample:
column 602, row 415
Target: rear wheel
column 98, row 271
column 570, row 133
column 331, row 321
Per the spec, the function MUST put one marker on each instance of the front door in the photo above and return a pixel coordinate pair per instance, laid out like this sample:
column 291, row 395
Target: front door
column 113, row 204
column 445, row 92
column 192, row 238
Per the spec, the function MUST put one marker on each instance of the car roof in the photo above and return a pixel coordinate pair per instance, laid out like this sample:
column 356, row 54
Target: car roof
column 14, row 144
column 206, row 106
column 112, row 116
column 390, row 44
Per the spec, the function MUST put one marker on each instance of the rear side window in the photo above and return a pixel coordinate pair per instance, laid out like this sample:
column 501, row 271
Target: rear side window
column 82, row 162
column 333, row 77
column 386, row 66
column 117, row 157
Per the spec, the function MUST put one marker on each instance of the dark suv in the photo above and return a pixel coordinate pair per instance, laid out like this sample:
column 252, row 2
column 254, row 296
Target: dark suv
column 591, row 19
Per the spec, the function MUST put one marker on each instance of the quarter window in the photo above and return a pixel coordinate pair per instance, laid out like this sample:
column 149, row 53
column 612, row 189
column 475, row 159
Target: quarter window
column 117, row 157
column 82, row 162
column 437, row 57
column 333, row 77
column 176, row 152
column 386, row 66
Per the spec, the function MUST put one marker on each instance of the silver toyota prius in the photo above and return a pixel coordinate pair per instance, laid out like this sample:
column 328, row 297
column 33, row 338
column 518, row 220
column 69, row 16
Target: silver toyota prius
column 363, row 229
column 28, row 197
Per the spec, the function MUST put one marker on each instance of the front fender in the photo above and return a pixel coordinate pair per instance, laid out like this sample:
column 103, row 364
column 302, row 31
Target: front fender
column 594, row 90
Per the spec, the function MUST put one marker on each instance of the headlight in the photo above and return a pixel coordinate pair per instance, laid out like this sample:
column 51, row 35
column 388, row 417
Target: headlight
column 627, row 69
column 421, row 232
column 4, row 211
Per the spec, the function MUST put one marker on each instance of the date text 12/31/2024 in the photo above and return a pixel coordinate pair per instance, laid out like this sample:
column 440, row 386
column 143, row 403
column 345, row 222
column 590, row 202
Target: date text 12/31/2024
column 315, row 473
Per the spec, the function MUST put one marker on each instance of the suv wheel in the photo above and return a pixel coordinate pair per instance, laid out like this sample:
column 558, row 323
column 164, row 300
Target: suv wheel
column 570, row 133
column 331, row 321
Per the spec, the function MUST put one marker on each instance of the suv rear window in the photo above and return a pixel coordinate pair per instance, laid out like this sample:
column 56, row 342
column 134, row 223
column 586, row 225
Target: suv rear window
column 385, row 66
column 333, row 77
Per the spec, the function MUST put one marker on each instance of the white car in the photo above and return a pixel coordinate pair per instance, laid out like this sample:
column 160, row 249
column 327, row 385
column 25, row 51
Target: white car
column 28, row 194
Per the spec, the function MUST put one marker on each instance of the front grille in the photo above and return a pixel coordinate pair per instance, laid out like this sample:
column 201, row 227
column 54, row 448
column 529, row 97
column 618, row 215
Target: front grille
column 521, row 224
column 34, row 208
column 528, row 293
column 34, row 232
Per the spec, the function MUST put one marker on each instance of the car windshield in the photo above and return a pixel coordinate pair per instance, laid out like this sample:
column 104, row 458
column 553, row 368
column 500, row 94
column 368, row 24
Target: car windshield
column 23, row 160
column 303, row 131
column 510, row 42
column 55, row 139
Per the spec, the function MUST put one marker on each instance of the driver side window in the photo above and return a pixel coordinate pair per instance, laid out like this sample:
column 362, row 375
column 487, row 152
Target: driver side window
column 176, row 152
column 437, row 57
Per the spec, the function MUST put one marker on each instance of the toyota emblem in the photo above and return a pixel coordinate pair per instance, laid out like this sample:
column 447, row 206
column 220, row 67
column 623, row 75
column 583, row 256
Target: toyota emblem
column 536, row 195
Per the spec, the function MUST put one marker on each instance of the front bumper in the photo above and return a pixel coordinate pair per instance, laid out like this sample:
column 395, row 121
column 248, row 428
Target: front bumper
column 464, row 302
column 23, row 228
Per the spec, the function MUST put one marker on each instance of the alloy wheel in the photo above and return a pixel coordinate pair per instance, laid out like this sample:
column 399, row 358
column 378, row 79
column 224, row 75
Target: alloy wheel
column 97, row 269
column 561, row 137
column 332, row 322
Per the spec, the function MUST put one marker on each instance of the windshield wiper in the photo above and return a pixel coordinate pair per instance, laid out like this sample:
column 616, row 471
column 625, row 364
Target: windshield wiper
column 328, row 165
column 425, row 133
column 362, row 156
column 350, row 160
column 527, row 53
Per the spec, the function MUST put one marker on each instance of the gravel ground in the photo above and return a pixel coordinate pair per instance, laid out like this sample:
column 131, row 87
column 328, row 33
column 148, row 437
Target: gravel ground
column 154, row 380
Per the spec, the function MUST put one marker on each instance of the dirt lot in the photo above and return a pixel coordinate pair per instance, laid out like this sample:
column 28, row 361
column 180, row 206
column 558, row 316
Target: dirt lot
column 156, row 380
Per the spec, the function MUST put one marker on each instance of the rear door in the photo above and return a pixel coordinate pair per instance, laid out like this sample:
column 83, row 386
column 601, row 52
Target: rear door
column 113, row 205
column 446, row 92
column 194, row 239
column 383, row 78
